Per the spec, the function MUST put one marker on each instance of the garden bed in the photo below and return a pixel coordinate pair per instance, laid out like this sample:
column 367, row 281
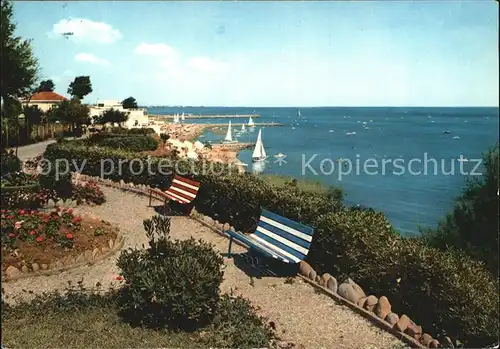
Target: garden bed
column 30, row 237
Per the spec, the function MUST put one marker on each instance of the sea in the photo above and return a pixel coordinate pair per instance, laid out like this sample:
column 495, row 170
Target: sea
column 410, row 163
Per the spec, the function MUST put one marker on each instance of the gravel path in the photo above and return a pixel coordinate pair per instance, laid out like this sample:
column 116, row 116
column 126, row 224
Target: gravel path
column 301, row 315
column 30, row 151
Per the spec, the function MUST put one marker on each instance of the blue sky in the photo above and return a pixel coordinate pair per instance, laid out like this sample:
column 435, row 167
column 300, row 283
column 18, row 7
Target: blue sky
column 271, row 53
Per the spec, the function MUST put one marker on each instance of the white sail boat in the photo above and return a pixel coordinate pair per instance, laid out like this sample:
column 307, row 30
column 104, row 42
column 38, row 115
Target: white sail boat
column 176, row 118
column 183, row 117
column 243, row 129
column 259, row 153
column 229, row 135
column 250, row 122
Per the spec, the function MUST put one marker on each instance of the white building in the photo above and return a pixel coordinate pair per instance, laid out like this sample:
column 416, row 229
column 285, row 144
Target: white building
column 137, row 117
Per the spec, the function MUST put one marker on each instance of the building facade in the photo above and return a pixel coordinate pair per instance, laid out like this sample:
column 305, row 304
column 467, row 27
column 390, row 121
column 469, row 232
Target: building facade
column 137, row 117
column 45, row 101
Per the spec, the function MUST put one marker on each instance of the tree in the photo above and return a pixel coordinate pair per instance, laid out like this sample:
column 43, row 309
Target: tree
column 71, row 112
column 129, row 103
column 473, row 224
column 113, row 116
column 46, row 86
column 80, row 87
column 19, row 67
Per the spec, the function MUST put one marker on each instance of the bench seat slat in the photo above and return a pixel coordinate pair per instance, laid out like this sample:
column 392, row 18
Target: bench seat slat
column 281, row 244
column 253, row 244
column 182, row 190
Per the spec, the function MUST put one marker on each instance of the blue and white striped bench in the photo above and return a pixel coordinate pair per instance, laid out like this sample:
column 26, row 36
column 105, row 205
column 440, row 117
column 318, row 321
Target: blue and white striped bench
column 277, row 237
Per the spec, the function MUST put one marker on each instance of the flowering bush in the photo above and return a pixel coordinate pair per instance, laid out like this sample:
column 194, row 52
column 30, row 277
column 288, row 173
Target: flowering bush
column 33, row 200
column 35, row 226
column 89, row 192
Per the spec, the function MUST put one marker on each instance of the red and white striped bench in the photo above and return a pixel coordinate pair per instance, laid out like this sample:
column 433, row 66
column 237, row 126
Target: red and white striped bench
column 182, row 190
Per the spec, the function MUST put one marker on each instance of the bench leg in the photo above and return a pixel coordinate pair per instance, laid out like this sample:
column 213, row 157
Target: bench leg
column 229, row 249
column 150, row 197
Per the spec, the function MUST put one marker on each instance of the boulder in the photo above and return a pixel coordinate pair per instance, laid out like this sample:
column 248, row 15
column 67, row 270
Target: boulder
column 304, row 268
column 96, row 253
column 35, row 267
column 44, row 266
column 122, row 183
column 312, row 275
column 392, row 318
column 448, row 343
column 357, row 288
column 426, row 339
column 332, row 285
column 60, row 203
column 434, row 344
column 324, row 279
column 51, row 203
column 413, row 331
column 110, row 244
column 12, row 271
column 361, row 302
column 25, row 269
column 350, row 293
column 370, row 303
column 403, row 323
column 383, row 307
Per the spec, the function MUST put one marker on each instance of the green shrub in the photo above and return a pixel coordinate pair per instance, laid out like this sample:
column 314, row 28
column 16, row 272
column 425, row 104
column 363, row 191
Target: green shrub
column 473, row 224
column 164, row 137
column 134, row 143
column 170, row 284
column 132, row 131
column 236, row 325
column 9, row 162
column 438, row 290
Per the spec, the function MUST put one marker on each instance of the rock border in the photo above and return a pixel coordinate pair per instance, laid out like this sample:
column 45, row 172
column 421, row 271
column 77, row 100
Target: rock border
column 88, row 257
column 376, row 310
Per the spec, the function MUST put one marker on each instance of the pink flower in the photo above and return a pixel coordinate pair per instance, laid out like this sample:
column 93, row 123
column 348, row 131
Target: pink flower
column 39, row 239
column 69, row 236
column 119, row 278
column 17, row 225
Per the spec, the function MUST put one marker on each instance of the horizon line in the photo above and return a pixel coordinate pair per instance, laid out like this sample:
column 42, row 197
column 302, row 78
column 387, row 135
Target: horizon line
column 319, row 106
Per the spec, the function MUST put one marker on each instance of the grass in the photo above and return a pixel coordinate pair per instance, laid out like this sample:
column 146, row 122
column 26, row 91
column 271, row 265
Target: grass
column 90, row 328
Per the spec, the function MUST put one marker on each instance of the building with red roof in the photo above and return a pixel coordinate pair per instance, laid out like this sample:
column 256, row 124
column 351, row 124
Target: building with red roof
column 45, row 100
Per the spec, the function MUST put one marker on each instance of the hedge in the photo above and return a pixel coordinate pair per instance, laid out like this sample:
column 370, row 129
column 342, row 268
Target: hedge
column 438, row 290
column 133, row 142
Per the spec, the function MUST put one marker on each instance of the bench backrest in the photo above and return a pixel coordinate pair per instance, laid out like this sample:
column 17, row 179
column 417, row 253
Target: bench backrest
column 183, row 190
column 288, row 237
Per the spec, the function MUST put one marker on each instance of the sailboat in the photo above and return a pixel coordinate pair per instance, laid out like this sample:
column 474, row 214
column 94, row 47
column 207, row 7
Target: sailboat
column 229, row 135
column 183, row 117
column 250, row 122
column 299, row 115
column 259, row 153
column 243, row 128
column 176, row 118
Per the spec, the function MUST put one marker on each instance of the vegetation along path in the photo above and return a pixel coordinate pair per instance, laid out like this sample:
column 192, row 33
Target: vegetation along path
column 301, row 315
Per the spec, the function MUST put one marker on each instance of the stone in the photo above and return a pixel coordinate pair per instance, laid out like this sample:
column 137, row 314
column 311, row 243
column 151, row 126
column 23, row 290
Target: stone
column 88, row 255
column 426, row 339
column 371, row 302
column 110, row 244
column 348, row 292
column 104, row 250
column 131, row 185
column 403, row 323
column 122, row 183
column 304, row 268
column 35, row 267
column 12, row 271
column 317, row 279
column 448, row 343
column 332, row 285
column 60, row 203
column 44, row 266
column 361, row 302
column 434, row 344
column 324, row 279
column 383, row 307
column 392, row 318
column 51, row 203
column 118, row 240
column 96, row 253
column 357, row 288
column 413, row 331
column 232, row 228
column 25, row 269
